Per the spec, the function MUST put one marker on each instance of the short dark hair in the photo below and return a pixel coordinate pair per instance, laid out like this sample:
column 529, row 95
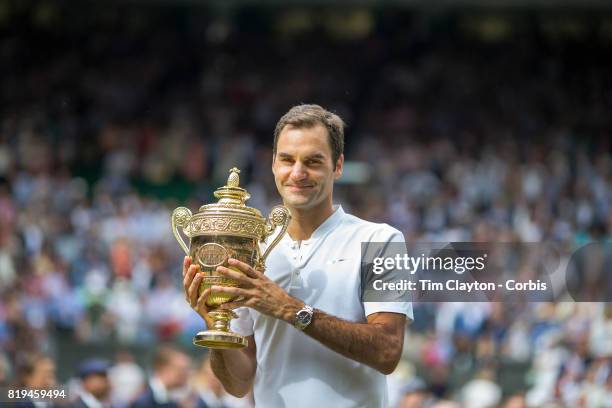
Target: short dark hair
column 164, row 355
column 307, row 116
column 26, row 365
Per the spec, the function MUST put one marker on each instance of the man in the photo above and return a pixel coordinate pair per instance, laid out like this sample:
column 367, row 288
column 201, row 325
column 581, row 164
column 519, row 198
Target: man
column 95, row 385
column 416, row 395
column 312, row 341
column 171, row 368
column 210, row 392
column 35, row 372
column 126, row 377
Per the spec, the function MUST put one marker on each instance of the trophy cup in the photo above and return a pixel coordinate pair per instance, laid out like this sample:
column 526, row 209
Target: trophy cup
column 217, row 232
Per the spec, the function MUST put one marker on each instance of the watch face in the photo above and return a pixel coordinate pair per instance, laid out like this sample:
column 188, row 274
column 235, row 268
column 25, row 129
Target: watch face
column 304, row 317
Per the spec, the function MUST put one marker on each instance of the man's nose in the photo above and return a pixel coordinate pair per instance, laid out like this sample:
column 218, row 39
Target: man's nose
column 298, row 172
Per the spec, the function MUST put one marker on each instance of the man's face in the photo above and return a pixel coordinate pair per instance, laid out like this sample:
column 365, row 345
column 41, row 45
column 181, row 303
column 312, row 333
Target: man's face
column 303, row 168
column 180, row 368
column 43, row 375
column 97, row 385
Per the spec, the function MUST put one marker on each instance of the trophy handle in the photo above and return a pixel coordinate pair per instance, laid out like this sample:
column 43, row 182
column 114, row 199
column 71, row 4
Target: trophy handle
column 180, row 219
column 279, row 216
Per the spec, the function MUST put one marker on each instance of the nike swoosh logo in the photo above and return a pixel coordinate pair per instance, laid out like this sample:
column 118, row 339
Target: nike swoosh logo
column 333, row 261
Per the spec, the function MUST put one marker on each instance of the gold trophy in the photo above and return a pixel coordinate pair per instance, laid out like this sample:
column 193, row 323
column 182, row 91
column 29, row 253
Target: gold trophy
column 217, row 232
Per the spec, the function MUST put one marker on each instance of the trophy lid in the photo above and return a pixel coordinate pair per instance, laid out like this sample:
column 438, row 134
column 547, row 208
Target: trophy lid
column 230, row 215
column 232, row 193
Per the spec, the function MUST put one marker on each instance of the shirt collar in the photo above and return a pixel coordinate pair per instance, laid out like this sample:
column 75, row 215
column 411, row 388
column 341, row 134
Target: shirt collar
column 322, row 230
column 160, row 394
column 90, row 401
column 328, row 225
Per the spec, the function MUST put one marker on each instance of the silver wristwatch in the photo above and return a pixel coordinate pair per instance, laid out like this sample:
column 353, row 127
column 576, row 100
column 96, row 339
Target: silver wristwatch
column 303, row 317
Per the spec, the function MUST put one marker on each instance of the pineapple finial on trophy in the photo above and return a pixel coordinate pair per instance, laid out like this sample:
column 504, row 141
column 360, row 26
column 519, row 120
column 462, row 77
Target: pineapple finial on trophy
column 234, row 179
column 231, row 192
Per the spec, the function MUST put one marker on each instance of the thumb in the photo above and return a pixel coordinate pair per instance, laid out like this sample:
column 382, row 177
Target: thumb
column 202, row 308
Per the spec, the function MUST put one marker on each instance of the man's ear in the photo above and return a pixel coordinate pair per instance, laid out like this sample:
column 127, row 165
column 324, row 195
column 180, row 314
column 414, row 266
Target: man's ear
column 339, row 167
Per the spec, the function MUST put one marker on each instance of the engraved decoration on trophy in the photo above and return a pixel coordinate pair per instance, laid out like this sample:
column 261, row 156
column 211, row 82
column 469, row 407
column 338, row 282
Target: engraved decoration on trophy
column 223, row 230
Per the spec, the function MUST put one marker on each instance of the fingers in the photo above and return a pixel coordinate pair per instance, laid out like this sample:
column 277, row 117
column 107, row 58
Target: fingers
column 201, row 303
column 188, row 278
column 186, row 263
column 192, row 292
column 232, row 305
column 191, row 283
column 231, row 291
column 237, row 276
column 244, row 267
column 202, row 309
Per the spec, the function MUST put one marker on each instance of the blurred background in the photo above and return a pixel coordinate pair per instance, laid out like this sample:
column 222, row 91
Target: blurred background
column 467, row 120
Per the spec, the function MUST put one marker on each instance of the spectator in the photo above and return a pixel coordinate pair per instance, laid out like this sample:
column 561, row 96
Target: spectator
column 127, row 379
column 168, row 382
column 35, row 372
column 95, row 385
column 210, row 391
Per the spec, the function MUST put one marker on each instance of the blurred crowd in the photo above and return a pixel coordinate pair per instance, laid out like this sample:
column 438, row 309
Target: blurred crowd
column 455, row 133
column 173, row 381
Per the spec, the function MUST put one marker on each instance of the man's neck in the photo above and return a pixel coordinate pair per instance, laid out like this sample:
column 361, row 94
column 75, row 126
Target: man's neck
column 305, row 221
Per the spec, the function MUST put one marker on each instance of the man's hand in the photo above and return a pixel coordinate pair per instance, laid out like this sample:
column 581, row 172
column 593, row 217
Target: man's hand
column 191, row 283
column 259, row 292
column 234, row 368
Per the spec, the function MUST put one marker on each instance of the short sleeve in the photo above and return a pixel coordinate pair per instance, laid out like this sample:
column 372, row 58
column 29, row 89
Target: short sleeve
column 243, row 324
column 392, row 236
column 393, row 307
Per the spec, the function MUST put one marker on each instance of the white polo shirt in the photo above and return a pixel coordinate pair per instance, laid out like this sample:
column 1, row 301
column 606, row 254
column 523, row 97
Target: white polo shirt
column 294, row 370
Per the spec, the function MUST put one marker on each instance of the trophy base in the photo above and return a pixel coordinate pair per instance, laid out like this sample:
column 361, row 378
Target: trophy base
column 216, row 339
